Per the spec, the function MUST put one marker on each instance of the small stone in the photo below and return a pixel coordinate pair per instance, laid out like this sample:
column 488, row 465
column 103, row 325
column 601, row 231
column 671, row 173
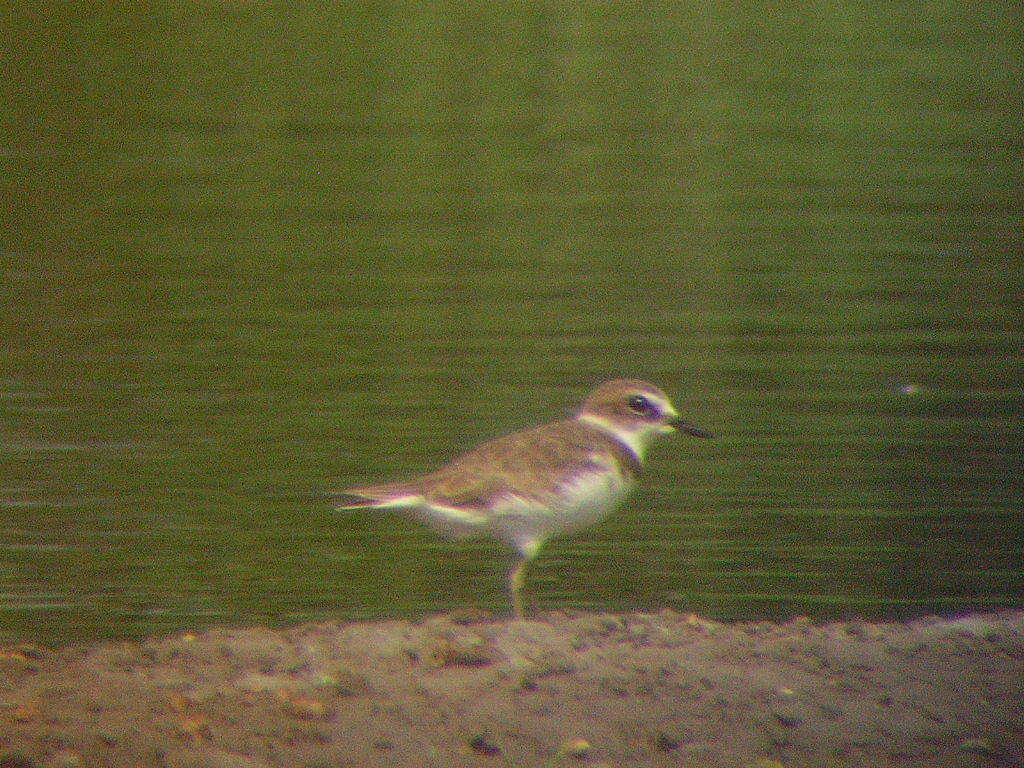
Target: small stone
column 704, row 625
column 578, row 748
column 546, row 664
column 30, row 651
column 788, row 717
column 195, row 728
column 608, row 624
column 352, row 684
column 107, row 738
column 482, row 744
column 666, row 742
column 325, row 680
column 308, row 708
column 462, row 651
column 978, row 747
column 527, row 681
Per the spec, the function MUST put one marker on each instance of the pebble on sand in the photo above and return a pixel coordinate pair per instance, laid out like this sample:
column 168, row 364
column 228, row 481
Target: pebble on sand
column 578, row 748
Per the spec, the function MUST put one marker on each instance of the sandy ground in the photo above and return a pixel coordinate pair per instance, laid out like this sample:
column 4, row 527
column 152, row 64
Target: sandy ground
column 661, row 689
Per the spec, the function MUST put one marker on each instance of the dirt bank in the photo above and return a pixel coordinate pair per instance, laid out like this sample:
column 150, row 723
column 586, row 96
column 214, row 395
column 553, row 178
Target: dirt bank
column 660, row 689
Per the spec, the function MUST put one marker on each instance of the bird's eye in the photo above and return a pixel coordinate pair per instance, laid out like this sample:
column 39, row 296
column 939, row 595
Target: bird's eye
column 640, row 404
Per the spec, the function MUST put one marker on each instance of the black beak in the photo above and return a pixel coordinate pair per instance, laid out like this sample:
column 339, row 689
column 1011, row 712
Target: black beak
column 689, row 429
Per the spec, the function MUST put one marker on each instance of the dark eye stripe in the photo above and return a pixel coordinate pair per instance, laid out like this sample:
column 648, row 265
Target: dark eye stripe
column 640, row 404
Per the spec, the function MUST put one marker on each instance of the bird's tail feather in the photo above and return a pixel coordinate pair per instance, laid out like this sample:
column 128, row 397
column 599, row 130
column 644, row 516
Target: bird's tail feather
column 351, row 501
column 450, row 521
column 382, row 497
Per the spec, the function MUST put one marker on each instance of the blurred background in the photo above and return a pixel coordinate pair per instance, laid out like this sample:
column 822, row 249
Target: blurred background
column 252, row 251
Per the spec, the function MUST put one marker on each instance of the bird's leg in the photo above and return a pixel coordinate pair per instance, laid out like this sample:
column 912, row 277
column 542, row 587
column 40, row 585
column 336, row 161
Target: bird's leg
column 516, row 579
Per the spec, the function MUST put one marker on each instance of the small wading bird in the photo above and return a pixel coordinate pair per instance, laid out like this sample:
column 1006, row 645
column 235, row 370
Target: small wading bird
column 530, row 486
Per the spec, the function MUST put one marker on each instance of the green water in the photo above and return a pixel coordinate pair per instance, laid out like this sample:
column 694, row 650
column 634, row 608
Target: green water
column 252, row 251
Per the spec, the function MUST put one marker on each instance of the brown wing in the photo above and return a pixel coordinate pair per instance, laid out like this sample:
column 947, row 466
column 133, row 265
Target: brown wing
column 531, row 464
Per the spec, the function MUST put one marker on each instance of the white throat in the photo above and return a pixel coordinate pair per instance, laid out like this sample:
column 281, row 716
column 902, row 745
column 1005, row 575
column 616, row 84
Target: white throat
column 634, row 439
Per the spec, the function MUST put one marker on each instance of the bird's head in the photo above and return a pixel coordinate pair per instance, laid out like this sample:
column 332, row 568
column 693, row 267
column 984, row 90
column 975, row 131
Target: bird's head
column 634, row 412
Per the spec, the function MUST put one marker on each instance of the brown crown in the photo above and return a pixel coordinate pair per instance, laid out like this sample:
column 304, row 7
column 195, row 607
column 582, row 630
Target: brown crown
column 610, row 400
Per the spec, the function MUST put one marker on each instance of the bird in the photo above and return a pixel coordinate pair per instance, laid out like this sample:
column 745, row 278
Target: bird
column 545, row 481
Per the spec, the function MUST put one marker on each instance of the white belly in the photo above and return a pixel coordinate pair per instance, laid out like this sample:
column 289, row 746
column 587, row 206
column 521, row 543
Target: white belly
column 526, row 524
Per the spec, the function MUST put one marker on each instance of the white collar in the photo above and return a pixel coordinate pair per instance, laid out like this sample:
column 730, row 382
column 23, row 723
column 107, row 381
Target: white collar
column 632, row 440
